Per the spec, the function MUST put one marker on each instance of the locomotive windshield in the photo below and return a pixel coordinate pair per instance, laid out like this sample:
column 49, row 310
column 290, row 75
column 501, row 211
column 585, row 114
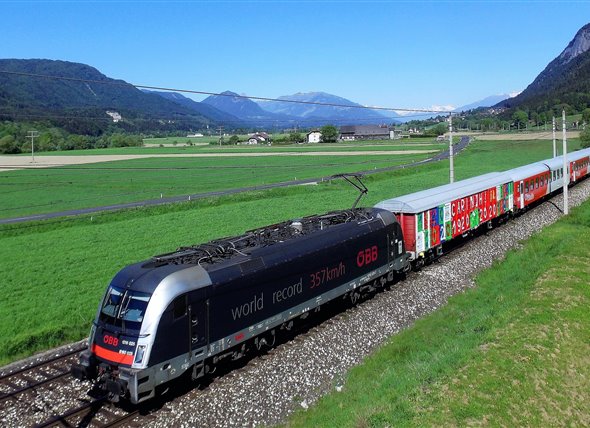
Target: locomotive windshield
column 124, row 307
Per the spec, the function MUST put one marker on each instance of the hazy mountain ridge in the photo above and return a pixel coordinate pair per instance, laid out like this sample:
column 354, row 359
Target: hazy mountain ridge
column 245, row 109
column 199, row 107
column 338, row 113
column 486, row 102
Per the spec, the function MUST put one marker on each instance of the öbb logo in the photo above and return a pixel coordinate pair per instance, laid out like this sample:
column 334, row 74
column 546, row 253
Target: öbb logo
column 367, row 256
column 110, row 340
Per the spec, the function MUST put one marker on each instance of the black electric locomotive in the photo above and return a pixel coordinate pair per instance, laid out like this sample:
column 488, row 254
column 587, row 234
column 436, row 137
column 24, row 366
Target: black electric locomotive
column 188, row 309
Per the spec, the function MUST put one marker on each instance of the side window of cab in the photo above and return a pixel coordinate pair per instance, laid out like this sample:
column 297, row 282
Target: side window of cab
column 179, row 307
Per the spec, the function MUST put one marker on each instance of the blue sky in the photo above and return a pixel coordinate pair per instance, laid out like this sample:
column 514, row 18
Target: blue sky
column 411, row 54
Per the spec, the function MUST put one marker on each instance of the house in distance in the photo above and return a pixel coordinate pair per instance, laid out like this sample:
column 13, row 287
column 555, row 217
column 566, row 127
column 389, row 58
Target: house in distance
column 314, row 136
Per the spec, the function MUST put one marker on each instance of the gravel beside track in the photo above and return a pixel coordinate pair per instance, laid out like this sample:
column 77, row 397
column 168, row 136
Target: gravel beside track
column 294, row 375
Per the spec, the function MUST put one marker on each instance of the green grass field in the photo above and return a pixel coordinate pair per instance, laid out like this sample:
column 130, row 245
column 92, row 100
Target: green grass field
column 55, row 272
column 377, row 145
column 514, row 351
column 31, row 191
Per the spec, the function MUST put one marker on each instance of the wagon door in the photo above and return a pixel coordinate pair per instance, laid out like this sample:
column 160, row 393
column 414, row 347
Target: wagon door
column 521, row 194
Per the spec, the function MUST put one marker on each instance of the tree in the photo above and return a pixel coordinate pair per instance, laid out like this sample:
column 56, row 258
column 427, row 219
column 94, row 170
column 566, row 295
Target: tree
column 520, row 117
column 295, row 137
column 585, row 137
column 586, row 116
column 234, row 139
column 329, row 134
column 8, row 145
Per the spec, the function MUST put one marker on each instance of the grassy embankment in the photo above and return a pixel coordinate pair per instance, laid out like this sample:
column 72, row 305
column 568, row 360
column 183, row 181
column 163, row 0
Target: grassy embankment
column 513, row 351
column 55, row 272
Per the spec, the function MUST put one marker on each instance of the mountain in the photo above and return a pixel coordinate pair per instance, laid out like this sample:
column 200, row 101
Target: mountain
column 246, row 110
column 336, row 114
column 566, row 79
column 486, row 102
column 206, row 110
column 42, row 97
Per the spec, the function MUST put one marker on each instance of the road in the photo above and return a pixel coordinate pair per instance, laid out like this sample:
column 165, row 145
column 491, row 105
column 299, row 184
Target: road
column 457, row 148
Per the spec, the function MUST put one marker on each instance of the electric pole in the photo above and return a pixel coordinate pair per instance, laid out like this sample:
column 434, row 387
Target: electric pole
column 32, row 135
column 220, row 129
column 554, row 147
column 451, row 170
column 566, row 175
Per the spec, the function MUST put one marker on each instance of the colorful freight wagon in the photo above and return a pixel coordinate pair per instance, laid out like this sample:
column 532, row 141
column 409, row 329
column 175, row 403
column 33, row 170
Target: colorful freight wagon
column 432, row 217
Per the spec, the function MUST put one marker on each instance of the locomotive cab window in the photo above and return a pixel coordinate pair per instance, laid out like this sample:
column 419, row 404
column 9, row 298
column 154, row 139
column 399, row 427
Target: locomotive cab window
column 124, row 306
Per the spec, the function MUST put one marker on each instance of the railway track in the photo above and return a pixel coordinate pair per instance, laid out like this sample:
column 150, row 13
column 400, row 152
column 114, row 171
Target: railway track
column 32, row 377
column 98, row 412
column 26, row 383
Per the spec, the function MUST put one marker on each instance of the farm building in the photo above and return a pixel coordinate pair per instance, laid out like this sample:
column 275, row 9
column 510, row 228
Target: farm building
column 365, row 132
column 258, row 138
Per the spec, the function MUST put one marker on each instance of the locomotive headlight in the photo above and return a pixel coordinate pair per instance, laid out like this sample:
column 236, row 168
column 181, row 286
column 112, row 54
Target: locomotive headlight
column 139, row 354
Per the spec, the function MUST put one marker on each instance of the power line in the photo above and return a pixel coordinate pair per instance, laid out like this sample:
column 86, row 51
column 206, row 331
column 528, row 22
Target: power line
column 237, row 123
column 190, row 91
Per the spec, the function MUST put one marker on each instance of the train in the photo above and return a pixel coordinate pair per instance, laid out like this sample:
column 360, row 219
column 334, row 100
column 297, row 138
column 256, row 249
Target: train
column 184, row 312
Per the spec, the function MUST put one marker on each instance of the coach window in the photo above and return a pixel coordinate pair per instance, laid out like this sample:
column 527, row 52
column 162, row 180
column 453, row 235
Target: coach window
column 537, row 183
column 542, row 181
column 526, row 187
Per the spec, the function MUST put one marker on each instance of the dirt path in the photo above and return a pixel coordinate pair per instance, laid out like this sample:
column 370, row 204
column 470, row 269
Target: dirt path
column 8, row 163
column 542, row 135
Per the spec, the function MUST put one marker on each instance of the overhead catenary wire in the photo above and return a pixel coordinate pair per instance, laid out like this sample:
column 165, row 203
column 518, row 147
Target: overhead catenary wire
column 238, row 122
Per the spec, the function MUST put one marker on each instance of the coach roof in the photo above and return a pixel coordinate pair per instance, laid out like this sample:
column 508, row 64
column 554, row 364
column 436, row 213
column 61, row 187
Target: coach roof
column 431, row 198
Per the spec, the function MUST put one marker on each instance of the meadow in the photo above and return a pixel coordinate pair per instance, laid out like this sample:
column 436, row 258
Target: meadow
column 168, row 148
column 32, row 191
column 55, row 272
column 514, row 351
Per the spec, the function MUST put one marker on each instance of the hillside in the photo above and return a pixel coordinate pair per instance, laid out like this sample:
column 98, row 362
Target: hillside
column 565, row 80
column 44, row 97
